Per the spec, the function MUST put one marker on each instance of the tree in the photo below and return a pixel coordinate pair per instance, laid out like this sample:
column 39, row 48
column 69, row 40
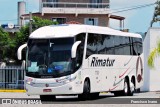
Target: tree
column 39, row 22
column 6, row 44
column 9, row 46
column 156, row 15
column 22, row 36
column 155, row 53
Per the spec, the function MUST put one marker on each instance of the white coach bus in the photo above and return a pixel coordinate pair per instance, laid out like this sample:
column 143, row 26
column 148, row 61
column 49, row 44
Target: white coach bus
column 82, row 60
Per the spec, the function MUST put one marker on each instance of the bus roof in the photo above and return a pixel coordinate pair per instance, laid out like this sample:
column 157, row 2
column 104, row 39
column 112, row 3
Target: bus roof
column 70, row 30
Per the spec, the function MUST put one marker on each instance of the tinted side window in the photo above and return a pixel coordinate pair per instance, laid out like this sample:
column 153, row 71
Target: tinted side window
column 139, row 46
column 91, row 44
column 134, row 46
column 81, row 37
column 113, row 45
column 80, row 49
column 119, row 47
column 109, row 43
column 127, row 50
column 101, row 44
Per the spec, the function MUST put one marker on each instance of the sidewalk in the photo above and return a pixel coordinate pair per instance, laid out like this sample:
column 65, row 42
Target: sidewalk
column 24, row 95
column 36, row 97
column 16, row 95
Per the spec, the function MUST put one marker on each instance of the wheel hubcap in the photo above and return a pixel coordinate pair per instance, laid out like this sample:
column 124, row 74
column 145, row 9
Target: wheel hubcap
column 125, row 88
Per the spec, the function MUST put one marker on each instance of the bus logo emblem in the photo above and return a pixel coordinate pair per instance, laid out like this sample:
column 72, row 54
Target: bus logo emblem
column 102, row 62
column 47, row 85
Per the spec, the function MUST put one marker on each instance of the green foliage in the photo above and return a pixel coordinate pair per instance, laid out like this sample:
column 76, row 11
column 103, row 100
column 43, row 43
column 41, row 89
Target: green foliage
column 6, row 44
column 155, row 53
column 152, row 57
column 39, row 22
column 3, row 38
column 156, row 13
column 22, row 36
column 9, row 46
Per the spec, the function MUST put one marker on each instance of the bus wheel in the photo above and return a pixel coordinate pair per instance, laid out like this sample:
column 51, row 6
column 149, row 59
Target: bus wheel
column 47, row 97
column 86, row 91
column 126, row 88
column 132, row 88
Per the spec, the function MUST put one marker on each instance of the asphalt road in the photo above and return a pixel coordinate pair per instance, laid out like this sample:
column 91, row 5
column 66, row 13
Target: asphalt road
column 105, row 99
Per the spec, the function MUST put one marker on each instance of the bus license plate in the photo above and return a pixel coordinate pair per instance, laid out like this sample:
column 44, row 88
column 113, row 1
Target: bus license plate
column 47, row 90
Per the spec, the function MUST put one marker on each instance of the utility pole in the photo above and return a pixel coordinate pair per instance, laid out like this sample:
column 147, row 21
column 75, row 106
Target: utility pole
column 30, row 22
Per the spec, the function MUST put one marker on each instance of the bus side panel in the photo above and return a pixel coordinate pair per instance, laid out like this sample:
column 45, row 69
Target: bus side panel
column 140, row 71
column 103, row 73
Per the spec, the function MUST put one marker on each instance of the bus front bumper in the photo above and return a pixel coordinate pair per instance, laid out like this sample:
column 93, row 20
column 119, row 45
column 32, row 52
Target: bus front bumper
column 71, row 88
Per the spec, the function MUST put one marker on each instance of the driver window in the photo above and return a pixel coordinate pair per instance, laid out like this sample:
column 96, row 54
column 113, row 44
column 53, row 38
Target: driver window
column 79, row 56
column 80, row 50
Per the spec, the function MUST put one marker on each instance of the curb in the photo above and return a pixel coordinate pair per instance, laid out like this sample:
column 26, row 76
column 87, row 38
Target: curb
column 20, row 91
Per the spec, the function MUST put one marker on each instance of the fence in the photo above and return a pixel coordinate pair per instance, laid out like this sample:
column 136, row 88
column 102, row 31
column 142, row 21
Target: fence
column 12, row 77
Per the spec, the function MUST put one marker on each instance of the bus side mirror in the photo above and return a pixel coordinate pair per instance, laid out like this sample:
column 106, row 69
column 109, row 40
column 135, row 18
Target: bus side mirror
column 74, row 49
column 19, row 52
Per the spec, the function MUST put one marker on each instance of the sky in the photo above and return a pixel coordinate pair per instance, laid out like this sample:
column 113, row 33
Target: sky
column 137, row 20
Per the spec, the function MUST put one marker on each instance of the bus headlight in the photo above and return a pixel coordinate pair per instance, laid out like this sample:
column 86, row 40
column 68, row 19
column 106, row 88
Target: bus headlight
column 66, row 80
column 29, row 81
column 72, row 79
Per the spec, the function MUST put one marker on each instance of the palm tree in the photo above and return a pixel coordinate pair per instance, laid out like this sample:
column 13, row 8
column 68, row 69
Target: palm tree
column 155, row 53
column 156, row 15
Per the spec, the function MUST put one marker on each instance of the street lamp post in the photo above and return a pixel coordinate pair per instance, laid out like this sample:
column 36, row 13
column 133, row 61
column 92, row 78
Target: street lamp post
column 30, row 22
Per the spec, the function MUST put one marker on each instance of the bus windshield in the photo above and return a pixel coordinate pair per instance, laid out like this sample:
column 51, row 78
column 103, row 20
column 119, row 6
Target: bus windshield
column 49, row 58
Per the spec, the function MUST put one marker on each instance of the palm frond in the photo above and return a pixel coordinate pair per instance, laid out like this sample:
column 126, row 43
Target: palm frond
column 155, row 53
column 152, row 57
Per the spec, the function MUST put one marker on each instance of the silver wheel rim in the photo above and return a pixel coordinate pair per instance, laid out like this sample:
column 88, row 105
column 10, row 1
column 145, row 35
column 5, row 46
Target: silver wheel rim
column 132, row 87
column 125, row 87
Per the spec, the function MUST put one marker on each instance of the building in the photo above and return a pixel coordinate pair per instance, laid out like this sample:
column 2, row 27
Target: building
column 151, row 76
column 10, row 27
column 91, row 12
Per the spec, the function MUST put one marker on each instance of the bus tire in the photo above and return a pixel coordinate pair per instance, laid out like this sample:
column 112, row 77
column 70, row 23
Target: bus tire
column 126, row 89
column 86, row 91
column 132, row 88
column 47, row 97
